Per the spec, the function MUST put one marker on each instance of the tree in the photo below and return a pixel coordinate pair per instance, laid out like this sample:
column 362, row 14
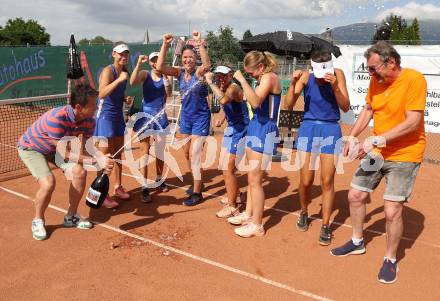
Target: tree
column 247, row 34
column 395, row 29
column 84, row 41
column 388, row 25
column 100, row 40
column 18, row 32
column 223, row 47
column 413, row 33
column 382, row 33
column 96, row 40
column 398, row 33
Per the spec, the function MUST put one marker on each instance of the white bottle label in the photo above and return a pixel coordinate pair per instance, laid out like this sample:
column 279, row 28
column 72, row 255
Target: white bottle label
column 93, row 196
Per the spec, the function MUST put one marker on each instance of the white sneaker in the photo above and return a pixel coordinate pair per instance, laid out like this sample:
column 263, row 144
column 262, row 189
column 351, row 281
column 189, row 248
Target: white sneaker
column 77, row 221
column 38, row 230
column 249, row 230
column 241, row 219
column 227, row 211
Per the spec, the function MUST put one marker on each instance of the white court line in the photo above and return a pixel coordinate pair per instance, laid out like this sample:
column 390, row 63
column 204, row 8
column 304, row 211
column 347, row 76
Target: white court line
column 313, row 218
column 189, row 255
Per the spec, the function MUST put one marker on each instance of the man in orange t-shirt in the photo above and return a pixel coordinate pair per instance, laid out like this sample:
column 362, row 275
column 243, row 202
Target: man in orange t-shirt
column 396, row 102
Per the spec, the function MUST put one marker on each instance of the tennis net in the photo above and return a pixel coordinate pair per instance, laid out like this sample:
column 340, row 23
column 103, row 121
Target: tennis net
column 16, row 115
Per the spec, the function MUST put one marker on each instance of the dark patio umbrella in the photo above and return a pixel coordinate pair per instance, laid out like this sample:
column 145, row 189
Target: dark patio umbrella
column 288, row 43
column 74, row 70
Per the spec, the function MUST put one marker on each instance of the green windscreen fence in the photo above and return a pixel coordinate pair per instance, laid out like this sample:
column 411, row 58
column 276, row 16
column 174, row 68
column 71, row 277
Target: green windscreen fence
column 37, row 71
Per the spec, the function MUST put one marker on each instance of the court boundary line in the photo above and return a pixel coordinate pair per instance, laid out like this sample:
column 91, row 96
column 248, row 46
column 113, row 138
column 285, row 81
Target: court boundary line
column 310, row 217
column 187, row 254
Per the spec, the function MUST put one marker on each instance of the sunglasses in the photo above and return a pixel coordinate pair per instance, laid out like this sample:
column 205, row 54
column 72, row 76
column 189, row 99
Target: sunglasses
column 373, row 69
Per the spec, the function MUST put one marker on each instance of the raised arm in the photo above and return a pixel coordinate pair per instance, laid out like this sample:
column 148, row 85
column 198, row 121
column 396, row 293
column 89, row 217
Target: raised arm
column 232, row 92
column 267, row 85
column 339, row 87
column 106, row 83
column 206, row 62
column 297, row 84
column 168, row 86
column 164, row 69
column 138, row 76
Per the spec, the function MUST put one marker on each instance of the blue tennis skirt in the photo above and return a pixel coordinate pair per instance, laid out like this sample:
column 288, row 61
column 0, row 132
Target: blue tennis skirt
column 195, row 126
column 316, row 136
column 148, row 127
column 262, row 137
column 234, row 139
column 109, row 127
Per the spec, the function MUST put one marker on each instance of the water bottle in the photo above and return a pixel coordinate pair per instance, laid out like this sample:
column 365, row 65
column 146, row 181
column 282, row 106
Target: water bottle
column 98, row 191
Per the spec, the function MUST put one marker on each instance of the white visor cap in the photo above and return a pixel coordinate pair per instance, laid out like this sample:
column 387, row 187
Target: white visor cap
column 320, row 69
column 121, row 48
column 153, row 55
column 222, row 69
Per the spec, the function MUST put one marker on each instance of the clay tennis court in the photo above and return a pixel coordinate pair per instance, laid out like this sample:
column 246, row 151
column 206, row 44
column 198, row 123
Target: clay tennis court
column 166, row 251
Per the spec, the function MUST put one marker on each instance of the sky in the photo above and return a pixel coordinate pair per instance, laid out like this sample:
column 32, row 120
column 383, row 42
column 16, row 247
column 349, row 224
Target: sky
column 128, row 20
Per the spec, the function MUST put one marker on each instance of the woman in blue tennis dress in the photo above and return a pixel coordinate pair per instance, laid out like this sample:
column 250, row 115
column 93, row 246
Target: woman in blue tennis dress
column 325, row 93
column 235, row 110
column 195, row 116
column 262, row 135
column 155, row 89
column 110, row 123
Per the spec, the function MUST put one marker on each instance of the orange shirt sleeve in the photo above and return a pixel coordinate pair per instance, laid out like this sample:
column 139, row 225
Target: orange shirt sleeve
column 416, row 94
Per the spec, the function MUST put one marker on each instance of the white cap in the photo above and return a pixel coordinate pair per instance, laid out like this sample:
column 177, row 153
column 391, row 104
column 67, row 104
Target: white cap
column 153, row 55
column 121, row 48
column 320, row 69
column 222, row 69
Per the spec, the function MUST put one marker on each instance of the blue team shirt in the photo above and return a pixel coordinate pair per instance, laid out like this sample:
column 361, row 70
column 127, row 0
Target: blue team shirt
column 111, row 107
column 268, row 110
column 194, row 98
column 236, row 113
column 320, row 102
column 154, row 93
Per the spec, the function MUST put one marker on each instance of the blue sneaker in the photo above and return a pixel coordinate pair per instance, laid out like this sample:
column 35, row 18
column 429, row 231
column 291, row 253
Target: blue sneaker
column 194, row 199
column 388, row 272
column 349, row 249
column 189, row 191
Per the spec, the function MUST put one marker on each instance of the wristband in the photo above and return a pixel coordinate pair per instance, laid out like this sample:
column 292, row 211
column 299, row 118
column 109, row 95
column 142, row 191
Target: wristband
column 378, row 141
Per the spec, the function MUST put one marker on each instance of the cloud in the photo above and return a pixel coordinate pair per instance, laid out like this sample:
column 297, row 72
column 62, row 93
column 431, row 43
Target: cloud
column 412, row 10
column 171, row 12
column 127, row 20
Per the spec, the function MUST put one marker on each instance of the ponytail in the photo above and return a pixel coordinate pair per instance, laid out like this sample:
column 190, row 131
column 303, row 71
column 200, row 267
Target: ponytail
column 253, row 58
column 271, row 62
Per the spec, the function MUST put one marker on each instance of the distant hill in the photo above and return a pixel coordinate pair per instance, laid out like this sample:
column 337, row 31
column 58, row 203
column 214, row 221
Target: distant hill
column 362, row 33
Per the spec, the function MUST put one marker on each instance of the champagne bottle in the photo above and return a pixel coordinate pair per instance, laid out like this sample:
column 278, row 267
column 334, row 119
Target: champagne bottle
column 98, row 191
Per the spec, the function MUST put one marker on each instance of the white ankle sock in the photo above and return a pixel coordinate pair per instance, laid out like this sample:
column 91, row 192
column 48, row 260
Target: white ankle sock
column 357, row 241
column 393, row 260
